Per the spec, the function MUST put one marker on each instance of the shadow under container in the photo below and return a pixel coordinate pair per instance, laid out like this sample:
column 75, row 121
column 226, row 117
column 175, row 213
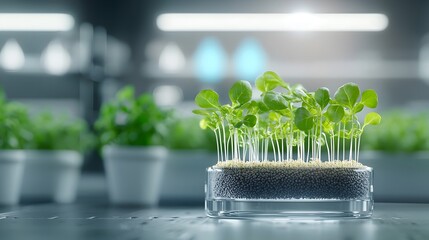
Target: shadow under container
column 251, row 192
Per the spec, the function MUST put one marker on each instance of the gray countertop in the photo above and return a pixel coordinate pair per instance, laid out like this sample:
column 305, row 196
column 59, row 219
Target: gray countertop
column 87, row 221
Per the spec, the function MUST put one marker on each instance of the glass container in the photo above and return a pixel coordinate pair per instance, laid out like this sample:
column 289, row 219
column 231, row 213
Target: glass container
column 250, row 192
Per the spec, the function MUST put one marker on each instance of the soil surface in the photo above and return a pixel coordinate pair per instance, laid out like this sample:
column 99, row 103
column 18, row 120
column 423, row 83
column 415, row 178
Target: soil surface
column 291, row 183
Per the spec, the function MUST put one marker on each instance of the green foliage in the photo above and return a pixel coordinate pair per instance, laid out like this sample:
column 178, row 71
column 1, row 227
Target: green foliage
column 136, row 120
column 44, row 131
column 185, row 133
column 59, row 133
column 335, row 113
column 372, row 118
column 347, row 95
column 14, row 125
column 207, row 99
column 240, row 93
column 269, row 81
column 369, row 98
column 275, row 101
column 322, row 97
column 250, row 120
column 400, row 131
column 303, row 119
column 291, row 118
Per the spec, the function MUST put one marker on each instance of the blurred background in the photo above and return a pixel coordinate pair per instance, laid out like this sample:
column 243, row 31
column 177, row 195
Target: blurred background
column 71, row 56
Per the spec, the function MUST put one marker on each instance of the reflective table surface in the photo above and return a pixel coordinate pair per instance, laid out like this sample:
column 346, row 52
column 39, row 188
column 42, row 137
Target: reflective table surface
column 101, row 221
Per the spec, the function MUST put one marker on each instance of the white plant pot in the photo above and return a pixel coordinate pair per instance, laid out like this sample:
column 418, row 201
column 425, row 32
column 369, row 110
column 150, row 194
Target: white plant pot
column 185, row 175
column 51, row 175
column 11, row 169
column 399, row 177
column 134, row 174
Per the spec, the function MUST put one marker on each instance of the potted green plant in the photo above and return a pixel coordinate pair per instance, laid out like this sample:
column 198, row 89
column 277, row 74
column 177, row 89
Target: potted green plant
column 295, row 180
column 54, row 157
column 132, row 130
column 13, row 136
column 399, row 151
column 190, row 154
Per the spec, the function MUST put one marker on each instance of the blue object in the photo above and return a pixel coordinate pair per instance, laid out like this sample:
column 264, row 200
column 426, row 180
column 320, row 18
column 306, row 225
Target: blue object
column 210, row 61
column 249, row 60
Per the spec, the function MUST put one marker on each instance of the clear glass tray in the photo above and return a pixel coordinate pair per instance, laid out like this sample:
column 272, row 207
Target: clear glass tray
column 289, row 192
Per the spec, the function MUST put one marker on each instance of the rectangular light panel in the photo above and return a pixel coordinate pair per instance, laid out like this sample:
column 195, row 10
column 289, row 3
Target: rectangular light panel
column 276, row 22
column 36, row 22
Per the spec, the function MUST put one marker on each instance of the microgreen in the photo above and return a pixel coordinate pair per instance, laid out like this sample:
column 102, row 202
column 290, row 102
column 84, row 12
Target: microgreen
column 207, row 99
column 269, row 81
column 240, row 93
column 291, row 121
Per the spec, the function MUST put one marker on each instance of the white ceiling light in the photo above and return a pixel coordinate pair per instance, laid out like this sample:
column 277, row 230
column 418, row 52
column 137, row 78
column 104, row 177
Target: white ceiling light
column 11, row 56
column 36, row 22
column 167, row 95
column 272, row 22
column 171, row 59
column 56, row 59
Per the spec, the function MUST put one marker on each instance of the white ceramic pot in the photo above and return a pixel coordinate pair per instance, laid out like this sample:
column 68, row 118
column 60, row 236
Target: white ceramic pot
column 134, row 174
column 399, row 177
column 51, row 175
column 11, row 169
column 185, row 175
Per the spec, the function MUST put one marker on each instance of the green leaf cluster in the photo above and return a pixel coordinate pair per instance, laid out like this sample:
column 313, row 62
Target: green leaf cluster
column 400, row 131
column 132, row 120
column 14, row 125
column 49, row 132
column 286, row 112
column 19, row 130
column 185, row 134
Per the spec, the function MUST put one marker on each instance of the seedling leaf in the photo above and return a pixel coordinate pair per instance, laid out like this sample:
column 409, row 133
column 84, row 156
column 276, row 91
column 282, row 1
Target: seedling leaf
column 303, row 119
column 203, row 124
column 358, row 108
column 240, row 93
column 347, row 95
column 372, row 118
column 335, row 113
column 275, row 101
column 201, row 112
column 250, row 120
column 207, row 98
column 370, row 98
column 322, row 97
column 269, row 81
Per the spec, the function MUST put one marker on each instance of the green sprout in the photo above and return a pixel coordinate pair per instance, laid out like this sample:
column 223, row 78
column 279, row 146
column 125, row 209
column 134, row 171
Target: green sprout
column 289, row 120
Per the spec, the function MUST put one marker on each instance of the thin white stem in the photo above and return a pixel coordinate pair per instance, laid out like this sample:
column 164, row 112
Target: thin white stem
column 358, row 148
column 237, row 146
column 278, row 148
column 227, row 147
column 344, row 142
column 225, row 144
column 355, row 149
column 338, row 142
column 217, row 146
column 327, row 147
column 320, row 138
column 274, row 148
column 308, row 146
column 351, row 148
column 244, row 148
column 221, row 153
